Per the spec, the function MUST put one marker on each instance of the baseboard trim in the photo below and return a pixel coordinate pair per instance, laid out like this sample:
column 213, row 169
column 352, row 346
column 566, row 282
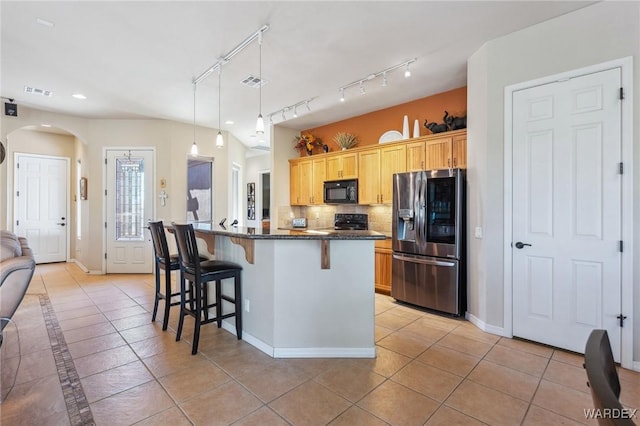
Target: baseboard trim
column 325, row 353
column 500, row 331
column 300, row 352
column 84, row 268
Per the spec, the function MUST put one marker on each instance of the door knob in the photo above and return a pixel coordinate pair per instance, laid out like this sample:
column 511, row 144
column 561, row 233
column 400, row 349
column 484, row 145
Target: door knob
column 62, row 224
column 520, row 245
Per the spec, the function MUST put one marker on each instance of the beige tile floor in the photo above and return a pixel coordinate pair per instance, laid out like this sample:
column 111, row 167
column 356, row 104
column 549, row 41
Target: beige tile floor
column 429, row 369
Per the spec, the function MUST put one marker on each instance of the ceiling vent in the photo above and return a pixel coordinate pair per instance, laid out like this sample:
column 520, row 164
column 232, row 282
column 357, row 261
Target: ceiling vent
column 253, row 81
column 35, row 91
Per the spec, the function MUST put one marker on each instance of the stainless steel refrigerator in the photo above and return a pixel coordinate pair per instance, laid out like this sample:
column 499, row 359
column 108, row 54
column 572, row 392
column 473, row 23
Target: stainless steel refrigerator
column 428, row 230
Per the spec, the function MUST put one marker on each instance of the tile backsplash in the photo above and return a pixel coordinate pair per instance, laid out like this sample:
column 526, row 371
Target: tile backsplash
column 320, row 217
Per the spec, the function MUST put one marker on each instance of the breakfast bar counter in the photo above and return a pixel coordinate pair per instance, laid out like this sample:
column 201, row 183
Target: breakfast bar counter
column 305, row 293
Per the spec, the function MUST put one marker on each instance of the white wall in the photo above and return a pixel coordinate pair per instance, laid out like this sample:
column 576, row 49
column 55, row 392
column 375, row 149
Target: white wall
column 595, row 34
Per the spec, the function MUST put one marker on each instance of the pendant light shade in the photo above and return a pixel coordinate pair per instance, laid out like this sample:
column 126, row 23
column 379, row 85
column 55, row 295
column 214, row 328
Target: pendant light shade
column 219, row 138
column 260, row 121
column 194, row 145
column 260, row 125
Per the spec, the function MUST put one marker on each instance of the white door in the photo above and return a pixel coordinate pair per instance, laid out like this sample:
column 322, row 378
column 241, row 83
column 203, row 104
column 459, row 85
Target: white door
column 41, row 205
column 567, row 211
column 129, row 204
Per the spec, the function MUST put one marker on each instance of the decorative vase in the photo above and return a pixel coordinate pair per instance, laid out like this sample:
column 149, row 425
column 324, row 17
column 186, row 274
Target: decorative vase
column 344, row 148
column 416, row 129
column 309, row 152
column 325, row 148
column 405, row 128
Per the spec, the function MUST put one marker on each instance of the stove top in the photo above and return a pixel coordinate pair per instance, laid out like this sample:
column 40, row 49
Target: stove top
column 351, row 221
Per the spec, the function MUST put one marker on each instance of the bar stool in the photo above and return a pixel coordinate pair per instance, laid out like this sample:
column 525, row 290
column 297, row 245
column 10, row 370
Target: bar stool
column 167, row 262
column 199, row 274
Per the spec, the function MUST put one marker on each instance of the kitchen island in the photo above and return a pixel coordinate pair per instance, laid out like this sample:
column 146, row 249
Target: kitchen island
column 306, row 293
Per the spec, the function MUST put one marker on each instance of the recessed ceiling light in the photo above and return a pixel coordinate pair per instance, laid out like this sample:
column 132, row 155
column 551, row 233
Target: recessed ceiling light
column 229, row 122
column 79, row 96
column 45, row 23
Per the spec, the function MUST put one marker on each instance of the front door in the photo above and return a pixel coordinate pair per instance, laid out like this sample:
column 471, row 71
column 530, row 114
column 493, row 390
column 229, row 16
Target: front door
column 41, row 205
column 567, row 210
column 129, row 204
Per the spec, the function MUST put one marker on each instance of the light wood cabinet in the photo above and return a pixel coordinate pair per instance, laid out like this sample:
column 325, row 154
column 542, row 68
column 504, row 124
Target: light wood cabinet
column 369, row 176
column 383, row 261
column 459, row 151
column 416, row 156
column 374, row 166
column 438, row 152
column 342, row 166
column 375, row 173
column 393, row 159
column 306, row 181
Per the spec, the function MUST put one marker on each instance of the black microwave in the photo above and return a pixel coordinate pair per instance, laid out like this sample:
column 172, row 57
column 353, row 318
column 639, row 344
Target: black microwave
column 341, row 191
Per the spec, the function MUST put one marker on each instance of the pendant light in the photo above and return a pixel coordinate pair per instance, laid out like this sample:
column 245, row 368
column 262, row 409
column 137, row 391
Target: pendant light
column 194, row 146
column 260, row 121
column 219, row 139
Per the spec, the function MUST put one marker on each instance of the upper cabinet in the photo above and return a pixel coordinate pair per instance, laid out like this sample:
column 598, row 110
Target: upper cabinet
column 440, row 151
column 306, row 178
column 342, row 166
column 374, row 166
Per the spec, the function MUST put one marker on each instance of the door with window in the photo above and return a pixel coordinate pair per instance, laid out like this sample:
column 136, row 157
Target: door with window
column 129, row 206
column 41, row 205
column 567, row 210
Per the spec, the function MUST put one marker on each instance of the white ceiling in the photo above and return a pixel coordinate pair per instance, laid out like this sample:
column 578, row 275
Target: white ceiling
column 138, row 59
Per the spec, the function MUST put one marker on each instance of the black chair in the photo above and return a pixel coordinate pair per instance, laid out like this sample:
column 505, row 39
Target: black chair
column 603, row 380
column 167, row 262
column 199, row 274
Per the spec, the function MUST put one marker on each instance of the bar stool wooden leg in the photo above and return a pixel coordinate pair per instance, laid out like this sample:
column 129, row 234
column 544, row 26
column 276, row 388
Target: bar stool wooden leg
column 183, row 305
column 198, row 317
column 238, row 303
column 157, row 297
column 167, row 298
column 219, row 302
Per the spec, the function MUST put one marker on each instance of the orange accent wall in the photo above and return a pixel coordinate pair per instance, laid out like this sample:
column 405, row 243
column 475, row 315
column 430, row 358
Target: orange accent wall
column 369, row 127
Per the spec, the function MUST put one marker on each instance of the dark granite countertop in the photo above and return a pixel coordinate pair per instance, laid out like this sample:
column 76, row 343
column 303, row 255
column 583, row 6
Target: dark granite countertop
column 284, row 234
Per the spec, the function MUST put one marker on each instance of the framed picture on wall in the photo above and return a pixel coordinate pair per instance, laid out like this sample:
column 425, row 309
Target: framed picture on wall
column 83, row 188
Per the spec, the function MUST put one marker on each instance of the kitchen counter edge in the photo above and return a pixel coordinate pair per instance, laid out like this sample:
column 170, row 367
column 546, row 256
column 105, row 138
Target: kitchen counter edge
column 285, row 234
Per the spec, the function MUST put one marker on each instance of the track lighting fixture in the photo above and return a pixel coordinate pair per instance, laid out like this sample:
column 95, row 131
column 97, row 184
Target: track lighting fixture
column 293, row 108
column 194, row 146
column 260, row 121
column 219, row 139
column 383, row 74
column 223, row 60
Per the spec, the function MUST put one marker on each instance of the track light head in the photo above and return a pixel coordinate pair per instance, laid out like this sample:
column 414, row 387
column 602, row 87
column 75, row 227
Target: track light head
column 295, row 111
column 362, row 90
column 308, row 108
column 384, row 79
column 342, row 95
column 407, row 72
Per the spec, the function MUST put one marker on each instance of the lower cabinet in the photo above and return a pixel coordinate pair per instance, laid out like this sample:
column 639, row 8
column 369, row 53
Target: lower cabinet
column 383, row 255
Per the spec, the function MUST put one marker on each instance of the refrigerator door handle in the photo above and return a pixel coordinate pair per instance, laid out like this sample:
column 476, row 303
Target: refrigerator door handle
column 423, row 261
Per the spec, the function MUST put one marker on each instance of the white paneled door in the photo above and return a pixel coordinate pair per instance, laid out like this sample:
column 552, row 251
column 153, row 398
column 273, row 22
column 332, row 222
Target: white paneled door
column 41, row 205
column 129, row 204
column 567, row 210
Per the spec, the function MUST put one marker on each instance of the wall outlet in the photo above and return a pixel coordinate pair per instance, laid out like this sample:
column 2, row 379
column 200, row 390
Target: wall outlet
column 478, row 232
column 247, row 305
